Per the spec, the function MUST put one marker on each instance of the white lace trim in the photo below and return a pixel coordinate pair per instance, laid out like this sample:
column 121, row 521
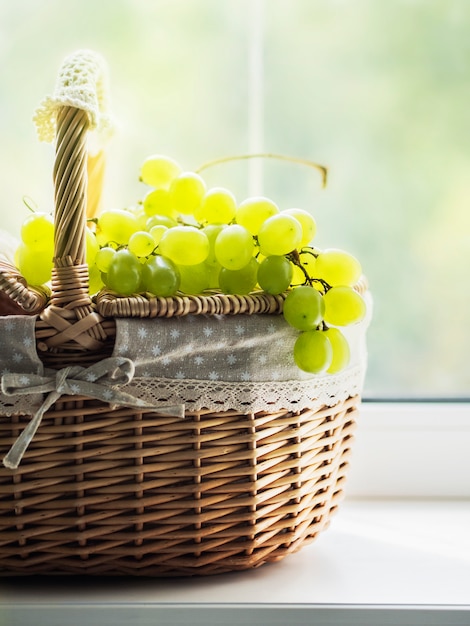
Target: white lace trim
column 292, row 395
column 82, row 83
column 20, row 405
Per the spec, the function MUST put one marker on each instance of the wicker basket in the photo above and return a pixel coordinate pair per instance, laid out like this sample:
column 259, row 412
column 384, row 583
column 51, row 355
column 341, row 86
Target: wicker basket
column 113, row 490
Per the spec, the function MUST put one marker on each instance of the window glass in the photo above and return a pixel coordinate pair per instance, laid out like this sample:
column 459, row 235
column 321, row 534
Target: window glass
column 379, row 91
column 376, row 91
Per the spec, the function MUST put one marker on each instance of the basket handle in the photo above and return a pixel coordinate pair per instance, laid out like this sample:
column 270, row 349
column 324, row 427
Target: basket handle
column 78, row 106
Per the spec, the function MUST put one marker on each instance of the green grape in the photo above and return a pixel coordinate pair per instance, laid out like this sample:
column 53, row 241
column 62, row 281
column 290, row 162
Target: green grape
column 275, row 274
column 104, row 257
column 37, row 231
column 34, row 265
column 234, row 247
column 195, row 278
column 341, row 351
column 212, row 231
column 159, row 171
column 157, row 232
column 160, row 220
column 116, row 225
column 337, row 267
column 313, row 352
column 218, row 207
column 253, row 212
column 214, row 272
column 304, row 308
column 187, row 191
column 279, row 234
column 343, row 306
column 141, row 243
column 309, row 226
column 92, row 246
column 184, row 245
column 95, row 282
column 159, row 202
column 240, row 281
column 160, row 276
column 141, row 218
column 124, row 273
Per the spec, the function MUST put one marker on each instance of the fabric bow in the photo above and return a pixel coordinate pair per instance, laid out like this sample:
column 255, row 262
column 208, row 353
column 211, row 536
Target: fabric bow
column 98, row 381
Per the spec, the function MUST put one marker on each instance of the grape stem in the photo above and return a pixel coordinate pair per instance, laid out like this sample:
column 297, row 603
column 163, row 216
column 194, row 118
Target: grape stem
column 267, row 155
column 30, row 204
column 294, row 257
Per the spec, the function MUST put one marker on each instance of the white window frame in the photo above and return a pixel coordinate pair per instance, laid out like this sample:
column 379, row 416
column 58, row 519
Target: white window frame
column 411, row 450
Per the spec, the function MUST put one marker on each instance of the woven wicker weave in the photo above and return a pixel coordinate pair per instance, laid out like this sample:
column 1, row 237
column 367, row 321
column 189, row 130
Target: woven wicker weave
column 111, row 491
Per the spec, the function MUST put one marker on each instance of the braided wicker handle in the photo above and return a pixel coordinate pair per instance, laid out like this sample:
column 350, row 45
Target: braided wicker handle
column 70, row 322
column 70, row 183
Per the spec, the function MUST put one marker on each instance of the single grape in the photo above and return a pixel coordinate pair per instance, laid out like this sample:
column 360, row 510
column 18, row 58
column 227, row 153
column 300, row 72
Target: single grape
column 187, row 191
column 116, row 225
column 184, row 245
column 141, row 243
column 234, row 247
column 218, row 207
column 160, row 220
column 35, row 265
column 338, row 267
column 304, row 308
column 212, row 231
column 160, row 276
column 279, row 234
column 343, row 306
column 313, row 352
column 95, row 282
column 92, row 246
column 159, row 202
column 103, row 258
column 307, row 221
column 253, row 212
column 195, row 278
column 124, row 273
column 214, row 272
column 37, row 231
column 157, row 232
column 140, row 218
column 240, row 281
column 159, row 171
column 275, row 274
column 341, row 351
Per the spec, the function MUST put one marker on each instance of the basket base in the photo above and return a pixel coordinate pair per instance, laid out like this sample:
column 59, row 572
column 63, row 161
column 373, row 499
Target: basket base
column 113, row 492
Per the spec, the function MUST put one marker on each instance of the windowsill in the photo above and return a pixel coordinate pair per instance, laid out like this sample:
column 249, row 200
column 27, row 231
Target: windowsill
column 407, row 556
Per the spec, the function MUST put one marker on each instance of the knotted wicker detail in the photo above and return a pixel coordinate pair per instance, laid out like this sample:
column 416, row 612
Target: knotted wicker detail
column 13, row 285
column 70, row 323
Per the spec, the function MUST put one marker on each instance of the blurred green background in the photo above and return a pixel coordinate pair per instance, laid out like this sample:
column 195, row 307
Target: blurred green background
column 377, row 91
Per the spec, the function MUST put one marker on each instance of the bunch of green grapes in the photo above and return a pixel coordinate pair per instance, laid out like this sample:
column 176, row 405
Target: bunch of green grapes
column 185, row 238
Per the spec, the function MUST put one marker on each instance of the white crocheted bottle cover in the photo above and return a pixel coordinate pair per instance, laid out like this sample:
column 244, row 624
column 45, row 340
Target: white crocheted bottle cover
column 82, row 83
